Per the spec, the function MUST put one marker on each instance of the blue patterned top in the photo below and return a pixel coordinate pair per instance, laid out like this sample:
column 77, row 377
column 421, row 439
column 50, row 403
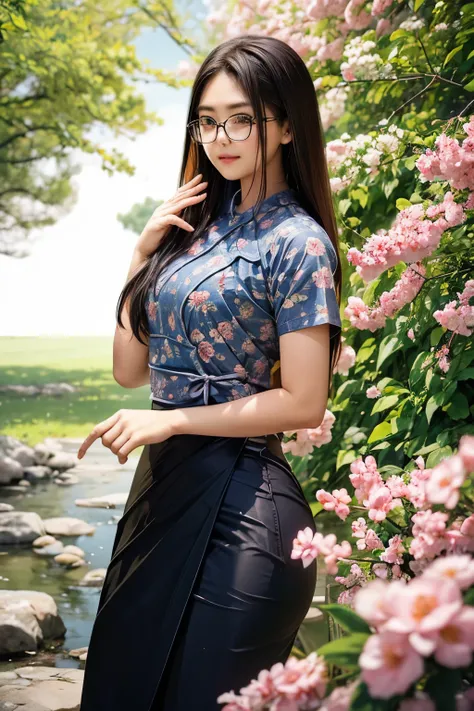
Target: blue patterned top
column 216, row 312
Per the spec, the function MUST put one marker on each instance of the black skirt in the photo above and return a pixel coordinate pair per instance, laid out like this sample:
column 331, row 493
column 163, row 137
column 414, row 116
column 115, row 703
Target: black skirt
column 201, row 592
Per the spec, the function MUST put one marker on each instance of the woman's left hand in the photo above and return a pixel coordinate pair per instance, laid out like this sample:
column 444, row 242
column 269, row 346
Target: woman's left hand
column 128, row 429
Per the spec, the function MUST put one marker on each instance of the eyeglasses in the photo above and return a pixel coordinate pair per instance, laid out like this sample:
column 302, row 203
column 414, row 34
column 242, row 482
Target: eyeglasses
column 236, row 127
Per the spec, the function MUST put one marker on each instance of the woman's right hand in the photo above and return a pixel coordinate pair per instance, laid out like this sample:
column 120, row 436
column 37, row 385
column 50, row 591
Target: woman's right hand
column 166, row 215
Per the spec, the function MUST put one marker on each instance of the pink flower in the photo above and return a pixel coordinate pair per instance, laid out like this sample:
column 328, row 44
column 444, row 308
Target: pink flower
column 394, row 552
column 359, row 527
column 454, row 642
column 371, row 542
column 337, row 501
column 389, row 664
column 346, row 360
column 446, row 478
column 373, row 392
column 380, row 502
column 370, row 602
column 421, row 609
column 300, row 680
column 420, row 702
column 305, row 547
column 459, row 568
column 466, row 452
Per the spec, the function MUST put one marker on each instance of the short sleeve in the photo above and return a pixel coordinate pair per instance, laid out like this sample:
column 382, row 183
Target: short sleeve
column 301, row 265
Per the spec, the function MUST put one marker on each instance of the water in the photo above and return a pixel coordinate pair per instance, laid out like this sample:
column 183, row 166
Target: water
column 21, row 569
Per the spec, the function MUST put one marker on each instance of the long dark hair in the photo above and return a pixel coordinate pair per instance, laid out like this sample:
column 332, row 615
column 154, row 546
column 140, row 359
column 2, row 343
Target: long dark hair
column 271, row 74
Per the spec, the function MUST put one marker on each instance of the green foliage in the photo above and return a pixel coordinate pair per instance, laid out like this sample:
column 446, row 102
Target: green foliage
column 67, row 69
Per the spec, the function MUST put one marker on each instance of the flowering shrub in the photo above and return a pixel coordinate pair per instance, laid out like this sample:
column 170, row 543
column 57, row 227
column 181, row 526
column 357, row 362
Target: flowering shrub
column 393, row 455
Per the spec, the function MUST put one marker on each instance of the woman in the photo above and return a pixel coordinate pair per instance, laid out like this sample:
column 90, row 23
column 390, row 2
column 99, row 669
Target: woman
column 234, row 280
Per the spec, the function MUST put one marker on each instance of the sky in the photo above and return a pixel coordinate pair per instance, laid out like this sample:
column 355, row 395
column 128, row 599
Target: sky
column 70, row 283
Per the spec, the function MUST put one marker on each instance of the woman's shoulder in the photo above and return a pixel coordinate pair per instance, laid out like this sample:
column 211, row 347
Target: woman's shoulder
column 294, row 229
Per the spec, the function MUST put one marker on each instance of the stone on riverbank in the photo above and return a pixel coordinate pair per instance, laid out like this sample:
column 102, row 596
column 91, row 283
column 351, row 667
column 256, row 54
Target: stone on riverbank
column 67, row 526
column 27, row 619
column 49, row 689
column 20, row 527
column 108, row 501
column 94, row 578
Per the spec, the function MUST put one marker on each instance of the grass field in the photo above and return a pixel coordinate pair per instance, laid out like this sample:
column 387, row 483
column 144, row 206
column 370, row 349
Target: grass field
column 85, row 363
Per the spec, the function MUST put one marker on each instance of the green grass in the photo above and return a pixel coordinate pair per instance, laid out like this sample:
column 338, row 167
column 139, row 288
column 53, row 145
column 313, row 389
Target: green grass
column 85, row 363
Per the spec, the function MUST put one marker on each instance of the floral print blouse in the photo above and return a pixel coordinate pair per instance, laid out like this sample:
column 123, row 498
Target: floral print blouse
column 217, row 311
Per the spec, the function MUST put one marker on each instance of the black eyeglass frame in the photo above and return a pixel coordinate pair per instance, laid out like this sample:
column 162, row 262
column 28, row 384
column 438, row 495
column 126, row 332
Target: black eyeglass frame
column 223, row 124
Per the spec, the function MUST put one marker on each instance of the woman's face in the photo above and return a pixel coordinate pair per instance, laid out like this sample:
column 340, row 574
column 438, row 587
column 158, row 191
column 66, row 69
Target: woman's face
column 222, row 98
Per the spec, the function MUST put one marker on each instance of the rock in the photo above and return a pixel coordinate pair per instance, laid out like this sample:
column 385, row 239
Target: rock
column 70, row 560
column 109, row 501
column 78, row 652
column 7, row 443
column 24, row 455
column 94, row 578
column 58, row 389
column 44, row 541
column 24, row 483
column 10, row 469
column 20, row 527
column 40, row 472
column 62, row 461
column 5, row 507
column 49, row 689
column 67, row 526
column 52, row 549
column 19, row 605
column 19, row 628
column 75, row 550
column 66, row 479
column 27, row 618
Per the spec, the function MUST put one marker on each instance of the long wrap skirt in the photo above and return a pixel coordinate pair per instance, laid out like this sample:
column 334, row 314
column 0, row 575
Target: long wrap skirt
column 201, row 592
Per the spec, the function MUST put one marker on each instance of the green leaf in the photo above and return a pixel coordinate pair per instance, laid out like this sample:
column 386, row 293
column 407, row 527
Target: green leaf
column 344, row 652
column 470, row 86
column 466, row 374
column 346, row 618
column 451, row 54
column 469, row 597
column 458, row 407
column 403, row 203
column 384, row 403
column 388, row 346
column 418, row 4
column 442, row 688
column 437, row 456
column 381, row 431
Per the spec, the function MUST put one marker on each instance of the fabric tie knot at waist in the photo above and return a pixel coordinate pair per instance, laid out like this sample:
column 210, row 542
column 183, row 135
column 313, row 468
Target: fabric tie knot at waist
column 203, row 384
column 206, row 387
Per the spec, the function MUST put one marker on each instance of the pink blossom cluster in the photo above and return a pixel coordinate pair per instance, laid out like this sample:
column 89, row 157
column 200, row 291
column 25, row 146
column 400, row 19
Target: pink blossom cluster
column 309, row 545
column 403, row 292
column 414, row 620
column 307, row 439
column 459, row 318
column 451, row 160
column 297, row 684
column 336, row 501
column 411, row 238
column 370, row 489
column 345, row 155
column 361, row 61
column 346, row 360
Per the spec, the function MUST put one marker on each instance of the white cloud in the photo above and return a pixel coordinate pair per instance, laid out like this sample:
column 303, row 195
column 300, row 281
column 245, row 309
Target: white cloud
column 71, row 282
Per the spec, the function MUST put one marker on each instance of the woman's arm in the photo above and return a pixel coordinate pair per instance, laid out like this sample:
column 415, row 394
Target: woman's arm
column 300, row 402
column 130, row 357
